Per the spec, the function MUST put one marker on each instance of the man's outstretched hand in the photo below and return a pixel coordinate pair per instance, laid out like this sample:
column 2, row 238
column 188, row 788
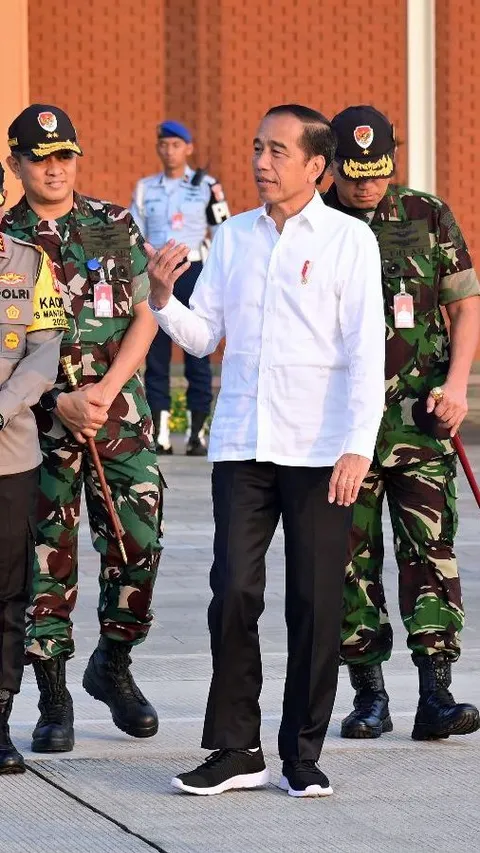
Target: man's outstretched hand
column 165, row 266
column 347, row 477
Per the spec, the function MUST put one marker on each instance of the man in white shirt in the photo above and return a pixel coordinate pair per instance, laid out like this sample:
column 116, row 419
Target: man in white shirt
column 296, row 289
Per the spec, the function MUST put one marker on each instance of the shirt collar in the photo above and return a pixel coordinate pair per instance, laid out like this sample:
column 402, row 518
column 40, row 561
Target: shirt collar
column 21, row 216
column 312, row 213
column 5, row 247
column 187, row 177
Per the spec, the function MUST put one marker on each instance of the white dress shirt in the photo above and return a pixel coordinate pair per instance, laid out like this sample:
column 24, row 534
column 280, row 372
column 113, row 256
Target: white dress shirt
column 303, row 368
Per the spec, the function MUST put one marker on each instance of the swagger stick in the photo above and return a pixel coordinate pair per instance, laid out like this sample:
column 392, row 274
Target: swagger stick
column 457, row 442
column 66, row 363
column 458, row 445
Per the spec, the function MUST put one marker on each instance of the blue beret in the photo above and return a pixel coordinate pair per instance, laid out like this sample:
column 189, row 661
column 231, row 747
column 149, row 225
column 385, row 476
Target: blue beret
column 174, row 128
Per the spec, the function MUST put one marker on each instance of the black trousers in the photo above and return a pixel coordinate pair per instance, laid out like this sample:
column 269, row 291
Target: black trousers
column 18, row 510
column 197, row 370
column 248, row 500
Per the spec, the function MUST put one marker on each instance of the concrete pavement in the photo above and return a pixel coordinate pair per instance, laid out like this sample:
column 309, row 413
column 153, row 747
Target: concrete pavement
column 112, row 793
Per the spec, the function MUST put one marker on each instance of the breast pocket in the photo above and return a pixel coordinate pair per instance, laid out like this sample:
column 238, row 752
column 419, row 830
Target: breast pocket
column 156, row 213
column 110, row 244
column 193, row 210
column 408, row 260
column 416, row 273
column 119, row 275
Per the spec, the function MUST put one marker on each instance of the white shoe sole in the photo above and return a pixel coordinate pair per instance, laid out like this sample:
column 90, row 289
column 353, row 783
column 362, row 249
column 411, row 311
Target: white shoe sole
column 236, row 783
column 310, row 791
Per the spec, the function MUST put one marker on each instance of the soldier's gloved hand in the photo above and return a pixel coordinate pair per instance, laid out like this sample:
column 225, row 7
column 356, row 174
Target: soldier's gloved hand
column 452, row 408
column 347, row 476
column 164, row 267
column 79, row 415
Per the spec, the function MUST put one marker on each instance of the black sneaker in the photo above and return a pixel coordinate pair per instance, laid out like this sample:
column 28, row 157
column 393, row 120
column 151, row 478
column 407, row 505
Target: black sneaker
column 304, row 779
column 225, row 770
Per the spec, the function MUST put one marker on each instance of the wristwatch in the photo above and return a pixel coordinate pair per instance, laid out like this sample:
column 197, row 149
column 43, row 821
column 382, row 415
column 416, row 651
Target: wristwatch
column 2, row 422
column 48, row 401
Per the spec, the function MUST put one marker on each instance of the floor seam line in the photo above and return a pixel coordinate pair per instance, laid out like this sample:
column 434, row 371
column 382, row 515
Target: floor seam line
column 123, row 827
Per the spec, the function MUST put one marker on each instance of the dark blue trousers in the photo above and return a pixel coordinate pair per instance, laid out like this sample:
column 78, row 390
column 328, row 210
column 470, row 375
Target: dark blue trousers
column 197, row 370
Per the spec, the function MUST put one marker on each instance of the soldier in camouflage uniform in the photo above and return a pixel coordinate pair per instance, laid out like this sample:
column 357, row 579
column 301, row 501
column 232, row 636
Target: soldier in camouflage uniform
column 426, row 265
column 99, row 261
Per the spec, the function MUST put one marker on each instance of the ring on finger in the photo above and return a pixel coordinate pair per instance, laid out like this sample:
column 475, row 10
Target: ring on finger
column 437, row 394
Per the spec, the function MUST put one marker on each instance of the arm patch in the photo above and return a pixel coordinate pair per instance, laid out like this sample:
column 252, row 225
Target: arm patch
column 48, row 310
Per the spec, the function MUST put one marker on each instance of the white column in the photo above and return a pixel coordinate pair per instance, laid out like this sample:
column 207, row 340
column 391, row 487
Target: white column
column 421, row 94
column 14, row 76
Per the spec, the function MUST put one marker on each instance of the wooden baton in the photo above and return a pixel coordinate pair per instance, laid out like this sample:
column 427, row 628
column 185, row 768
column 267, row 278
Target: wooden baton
column 66, row 363
column 458, row 445
column 437, row 394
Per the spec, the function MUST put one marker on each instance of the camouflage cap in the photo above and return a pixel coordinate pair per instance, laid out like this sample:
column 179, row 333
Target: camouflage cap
column 42, row 129
column 366, row 143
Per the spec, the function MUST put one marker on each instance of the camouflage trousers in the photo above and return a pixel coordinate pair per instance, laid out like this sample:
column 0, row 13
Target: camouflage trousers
column 125, row 590
column 422, row 503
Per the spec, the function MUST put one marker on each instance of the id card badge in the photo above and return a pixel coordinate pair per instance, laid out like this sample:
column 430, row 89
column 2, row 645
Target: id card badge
column 103, row 300
column 177, row 221
column 403, row 311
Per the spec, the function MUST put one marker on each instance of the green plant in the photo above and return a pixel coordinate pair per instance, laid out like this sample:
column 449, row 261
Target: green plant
column 178, row 411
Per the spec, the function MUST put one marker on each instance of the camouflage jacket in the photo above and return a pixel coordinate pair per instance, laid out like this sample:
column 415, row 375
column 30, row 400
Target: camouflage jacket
column 422, row 248
column 105, row 232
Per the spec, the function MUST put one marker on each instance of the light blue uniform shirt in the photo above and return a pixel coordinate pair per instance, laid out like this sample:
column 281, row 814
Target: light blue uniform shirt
column 166, row 208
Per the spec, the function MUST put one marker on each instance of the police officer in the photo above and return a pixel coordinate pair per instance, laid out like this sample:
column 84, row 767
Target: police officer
column 186, row 206
column 29, row 350
column 98, row 256
column 426, row 265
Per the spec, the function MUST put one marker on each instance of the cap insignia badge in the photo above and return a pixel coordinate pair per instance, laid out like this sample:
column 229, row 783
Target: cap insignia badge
column 47, row 121
column 363, row 135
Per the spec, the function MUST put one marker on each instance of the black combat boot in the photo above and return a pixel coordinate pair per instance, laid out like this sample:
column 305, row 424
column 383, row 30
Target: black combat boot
column 108, row 679
column 196, row 443
column 54, row 730
column 370, row 717
column 438, row 715
column 10, row 759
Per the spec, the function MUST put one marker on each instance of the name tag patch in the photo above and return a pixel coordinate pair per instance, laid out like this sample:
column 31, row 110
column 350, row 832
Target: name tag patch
column 404, row 239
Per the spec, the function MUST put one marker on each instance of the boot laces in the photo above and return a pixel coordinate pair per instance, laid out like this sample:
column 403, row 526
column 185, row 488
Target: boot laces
column 444, row 696
column 55, row 702
column 364, row 700
column 123, row 678
column 56, row 709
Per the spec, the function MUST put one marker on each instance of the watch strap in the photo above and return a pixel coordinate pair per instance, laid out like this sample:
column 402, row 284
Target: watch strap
column 48, row 401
